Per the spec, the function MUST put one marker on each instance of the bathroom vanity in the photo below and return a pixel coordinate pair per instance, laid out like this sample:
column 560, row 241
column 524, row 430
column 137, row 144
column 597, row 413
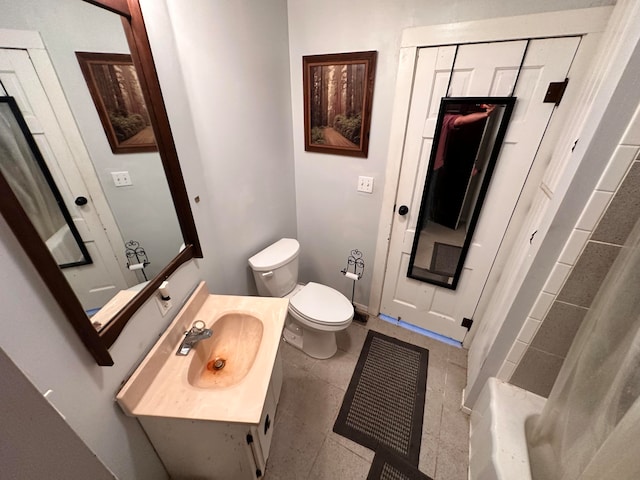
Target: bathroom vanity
column 216, row 449
column 210, row 414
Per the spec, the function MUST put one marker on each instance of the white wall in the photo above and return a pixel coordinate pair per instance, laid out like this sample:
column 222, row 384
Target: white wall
column 233, row 57
column 37, row 443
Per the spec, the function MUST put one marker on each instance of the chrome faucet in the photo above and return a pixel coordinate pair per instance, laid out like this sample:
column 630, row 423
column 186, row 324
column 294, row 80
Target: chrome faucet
column 193, row 336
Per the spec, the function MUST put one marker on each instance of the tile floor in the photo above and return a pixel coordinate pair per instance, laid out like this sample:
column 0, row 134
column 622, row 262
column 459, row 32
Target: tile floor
column 304, row 445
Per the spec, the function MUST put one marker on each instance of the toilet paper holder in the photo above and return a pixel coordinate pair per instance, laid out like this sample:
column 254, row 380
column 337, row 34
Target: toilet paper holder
column 355, row 260
column 136, row 257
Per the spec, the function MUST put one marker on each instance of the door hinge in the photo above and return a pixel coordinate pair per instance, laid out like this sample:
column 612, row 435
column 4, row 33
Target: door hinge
column 555, row 91
column 466, row 323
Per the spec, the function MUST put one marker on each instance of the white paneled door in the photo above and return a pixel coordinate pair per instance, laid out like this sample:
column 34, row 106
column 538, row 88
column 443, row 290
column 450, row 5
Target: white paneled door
column 521, row 68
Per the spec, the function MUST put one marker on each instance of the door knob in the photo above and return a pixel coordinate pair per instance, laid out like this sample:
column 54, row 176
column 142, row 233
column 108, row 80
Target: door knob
column 81, row 201
column 403, row 210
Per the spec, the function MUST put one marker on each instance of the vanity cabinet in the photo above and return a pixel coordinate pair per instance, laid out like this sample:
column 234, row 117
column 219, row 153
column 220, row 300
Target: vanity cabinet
column 210, row 429
column 216, row 449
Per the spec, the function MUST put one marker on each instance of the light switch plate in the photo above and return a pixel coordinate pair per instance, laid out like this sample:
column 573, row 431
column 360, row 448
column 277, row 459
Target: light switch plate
column 365, row 184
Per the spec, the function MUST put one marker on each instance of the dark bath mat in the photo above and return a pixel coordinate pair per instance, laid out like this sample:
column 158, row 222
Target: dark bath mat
column 384, row 404
column 388, row 466
column 444, row 260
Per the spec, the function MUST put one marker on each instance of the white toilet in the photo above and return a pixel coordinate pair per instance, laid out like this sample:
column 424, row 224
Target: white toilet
column 316, row 312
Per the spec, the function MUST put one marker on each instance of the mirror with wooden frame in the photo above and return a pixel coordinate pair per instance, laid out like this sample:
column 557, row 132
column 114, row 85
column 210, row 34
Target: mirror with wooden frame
column 40, row 118
column 469, row 134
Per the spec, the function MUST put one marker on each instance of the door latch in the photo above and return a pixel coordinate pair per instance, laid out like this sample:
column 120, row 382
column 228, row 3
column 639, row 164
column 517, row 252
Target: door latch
column 555, row 92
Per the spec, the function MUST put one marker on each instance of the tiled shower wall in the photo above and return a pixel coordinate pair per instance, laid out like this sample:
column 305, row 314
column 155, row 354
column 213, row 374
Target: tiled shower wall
column 535, row 359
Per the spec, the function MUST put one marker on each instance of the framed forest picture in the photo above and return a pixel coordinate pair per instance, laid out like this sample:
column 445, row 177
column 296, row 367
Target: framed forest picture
column 116, row 92
column 338, row 90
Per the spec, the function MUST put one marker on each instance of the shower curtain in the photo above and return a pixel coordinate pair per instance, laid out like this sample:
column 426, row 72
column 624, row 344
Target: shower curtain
column 590, row 426
column 21, row 170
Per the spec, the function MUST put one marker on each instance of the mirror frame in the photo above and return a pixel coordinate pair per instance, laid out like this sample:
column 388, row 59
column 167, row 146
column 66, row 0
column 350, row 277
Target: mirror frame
column 509, row 104
column 98, row 343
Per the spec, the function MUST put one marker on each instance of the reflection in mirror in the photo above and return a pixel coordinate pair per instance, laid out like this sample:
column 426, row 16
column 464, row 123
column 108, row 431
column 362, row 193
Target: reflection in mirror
column 469, row 134
column 112, row 197
column 116, row 92
column 28, row 176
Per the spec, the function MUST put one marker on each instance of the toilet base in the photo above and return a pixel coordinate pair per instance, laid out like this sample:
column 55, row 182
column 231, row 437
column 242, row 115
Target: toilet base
column 315, row 343
column 293, row 338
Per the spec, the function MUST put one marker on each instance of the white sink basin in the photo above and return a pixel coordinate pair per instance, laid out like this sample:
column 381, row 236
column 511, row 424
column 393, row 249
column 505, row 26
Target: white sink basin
column 246, row 336
column 226, row 358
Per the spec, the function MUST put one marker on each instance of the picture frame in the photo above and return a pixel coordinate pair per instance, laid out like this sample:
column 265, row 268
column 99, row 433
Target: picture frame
column 117, row 94
column 338, row 94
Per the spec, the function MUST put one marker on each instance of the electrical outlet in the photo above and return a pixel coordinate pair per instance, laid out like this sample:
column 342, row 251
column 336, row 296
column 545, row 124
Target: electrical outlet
column 121, row 179
column 163, row 305
column 365, row 184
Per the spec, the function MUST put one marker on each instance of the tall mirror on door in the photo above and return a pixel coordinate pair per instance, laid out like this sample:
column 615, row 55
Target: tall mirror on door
column 90, row 178
column 469, row 134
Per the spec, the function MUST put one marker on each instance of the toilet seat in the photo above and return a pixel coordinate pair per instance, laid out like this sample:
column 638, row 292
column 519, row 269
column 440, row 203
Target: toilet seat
column 321, row 306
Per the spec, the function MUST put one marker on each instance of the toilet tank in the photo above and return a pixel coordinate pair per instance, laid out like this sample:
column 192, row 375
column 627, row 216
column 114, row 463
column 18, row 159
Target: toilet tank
column 275, row 269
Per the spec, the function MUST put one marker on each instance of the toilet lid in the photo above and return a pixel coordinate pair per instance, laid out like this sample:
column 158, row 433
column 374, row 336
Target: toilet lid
column 322, row 304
